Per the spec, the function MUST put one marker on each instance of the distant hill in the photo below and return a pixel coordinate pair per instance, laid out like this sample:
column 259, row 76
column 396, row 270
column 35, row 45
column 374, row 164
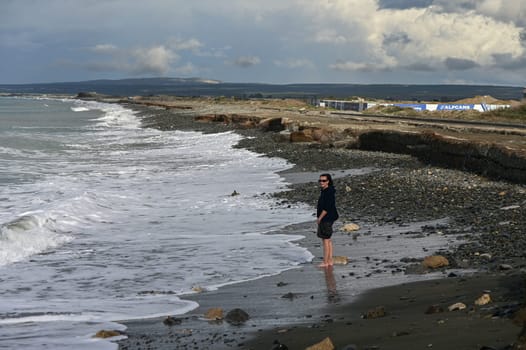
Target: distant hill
column 206, row 87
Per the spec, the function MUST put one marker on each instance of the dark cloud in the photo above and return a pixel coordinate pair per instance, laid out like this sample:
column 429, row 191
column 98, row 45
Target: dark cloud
column 422, row 67
column 399, row 38
column 459, row 63
column 506, row 61
column 403, row 4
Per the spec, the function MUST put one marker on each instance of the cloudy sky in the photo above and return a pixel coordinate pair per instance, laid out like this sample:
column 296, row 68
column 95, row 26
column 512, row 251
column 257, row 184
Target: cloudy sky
column 271, row 41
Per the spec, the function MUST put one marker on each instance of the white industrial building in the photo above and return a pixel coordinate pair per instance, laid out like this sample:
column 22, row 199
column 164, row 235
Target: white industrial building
column 361, row 105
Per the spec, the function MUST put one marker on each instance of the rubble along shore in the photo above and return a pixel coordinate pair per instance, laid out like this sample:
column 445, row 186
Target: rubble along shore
column 488, row 215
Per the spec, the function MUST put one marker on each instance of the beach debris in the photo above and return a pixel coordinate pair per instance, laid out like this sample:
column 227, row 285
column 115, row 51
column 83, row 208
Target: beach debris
column 325, row 344
column 457, row 306
column 348, row 188
column 289, row 295
column 235, row 193
column 278, row 346
column 214, row 314
column 483, row 299
column 350, row 227
column 237, row 317
column 510, row 207
column 340, row 260
column 198, row 289
column 434, row 309
column 376, row 312
column 435, row 261
column 170, row 321
column 107, row 334
column 485, row 256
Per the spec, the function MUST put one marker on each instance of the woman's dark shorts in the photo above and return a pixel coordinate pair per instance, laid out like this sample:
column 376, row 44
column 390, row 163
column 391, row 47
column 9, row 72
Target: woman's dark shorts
column 325, row 230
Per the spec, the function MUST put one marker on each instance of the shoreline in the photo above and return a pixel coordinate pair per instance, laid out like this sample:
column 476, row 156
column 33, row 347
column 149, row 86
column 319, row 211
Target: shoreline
column 401, row 191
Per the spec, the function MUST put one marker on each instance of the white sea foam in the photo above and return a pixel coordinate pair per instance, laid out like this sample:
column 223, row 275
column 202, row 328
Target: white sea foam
column 80, row 109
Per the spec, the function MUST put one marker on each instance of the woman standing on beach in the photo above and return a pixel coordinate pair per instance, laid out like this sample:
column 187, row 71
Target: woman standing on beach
column 326, row 214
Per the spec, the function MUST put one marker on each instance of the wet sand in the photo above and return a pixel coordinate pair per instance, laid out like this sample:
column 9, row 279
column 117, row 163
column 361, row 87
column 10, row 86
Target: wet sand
column 406, row 210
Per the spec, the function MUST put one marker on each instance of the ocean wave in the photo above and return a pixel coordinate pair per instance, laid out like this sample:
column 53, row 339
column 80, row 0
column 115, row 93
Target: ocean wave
column 113, row 115
column 28, row 235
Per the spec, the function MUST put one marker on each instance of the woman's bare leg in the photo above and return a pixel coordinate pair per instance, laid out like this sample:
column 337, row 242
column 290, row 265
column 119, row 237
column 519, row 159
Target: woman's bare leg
column 327, row 253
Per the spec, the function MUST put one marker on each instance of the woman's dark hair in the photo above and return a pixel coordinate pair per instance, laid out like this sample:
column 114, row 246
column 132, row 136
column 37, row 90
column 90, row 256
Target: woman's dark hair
column 329, row 177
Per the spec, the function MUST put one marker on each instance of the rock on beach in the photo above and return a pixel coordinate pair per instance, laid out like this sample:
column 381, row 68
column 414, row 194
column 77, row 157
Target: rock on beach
column 435, row 262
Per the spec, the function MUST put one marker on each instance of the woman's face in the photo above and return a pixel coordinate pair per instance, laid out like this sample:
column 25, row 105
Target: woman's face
column 324, row 182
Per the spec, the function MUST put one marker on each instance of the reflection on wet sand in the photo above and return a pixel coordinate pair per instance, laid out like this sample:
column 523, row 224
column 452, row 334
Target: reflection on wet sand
column 332, row 292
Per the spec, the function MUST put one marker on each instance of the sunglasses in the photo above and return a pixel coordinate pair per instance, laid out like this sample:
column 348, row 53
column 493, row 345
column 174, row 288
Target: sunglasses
column 320, row 181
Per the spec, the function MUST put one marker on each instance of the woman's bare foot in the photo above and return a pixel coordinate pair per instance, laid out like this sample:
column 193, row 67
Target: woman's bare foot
column 324, row 265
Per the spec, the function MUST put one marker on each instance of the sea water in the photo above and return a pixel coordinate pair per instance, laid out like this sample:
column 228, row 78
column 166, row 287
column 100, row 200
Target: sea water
column 102, row 220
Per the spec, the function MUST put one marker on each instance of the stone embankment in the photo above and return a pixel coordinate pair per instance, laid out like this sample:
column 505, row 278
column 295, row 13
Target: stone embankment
column 498, row 153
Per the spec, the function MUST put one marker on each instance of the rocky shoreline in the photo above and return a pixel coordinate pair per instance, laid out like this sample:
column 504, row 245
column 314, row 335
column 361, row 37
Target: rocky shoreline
column 495, row 150
column 487, row 217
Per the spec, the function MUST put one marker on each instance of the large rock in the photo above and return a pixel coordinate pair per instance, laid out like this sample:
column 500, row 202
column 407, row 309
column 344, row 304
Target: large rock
column 350, row 227
column 237, row 317
column 107, row 334
column 325, row 344
column 340, row 260
column 214, row 314
column 435, row 262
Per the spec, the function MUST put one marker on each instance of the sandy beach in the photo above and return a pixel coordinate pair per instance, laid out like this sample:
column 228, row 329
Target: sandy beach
column 399, row 202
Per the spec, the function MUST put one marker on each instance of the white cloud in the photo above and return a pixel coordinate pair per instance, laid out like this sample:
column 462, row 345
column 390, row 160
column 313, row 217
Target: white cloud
column 294, row 63
column 178, row 44
column 154, row 60
column 397, row 38
column 143, row 60
column 105, row 49
column 330, row 37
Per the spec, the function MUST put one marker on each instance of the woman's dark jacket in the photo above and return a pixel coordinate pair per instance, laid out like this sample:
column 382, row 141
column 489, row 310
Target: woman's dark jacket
column 327, row 202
